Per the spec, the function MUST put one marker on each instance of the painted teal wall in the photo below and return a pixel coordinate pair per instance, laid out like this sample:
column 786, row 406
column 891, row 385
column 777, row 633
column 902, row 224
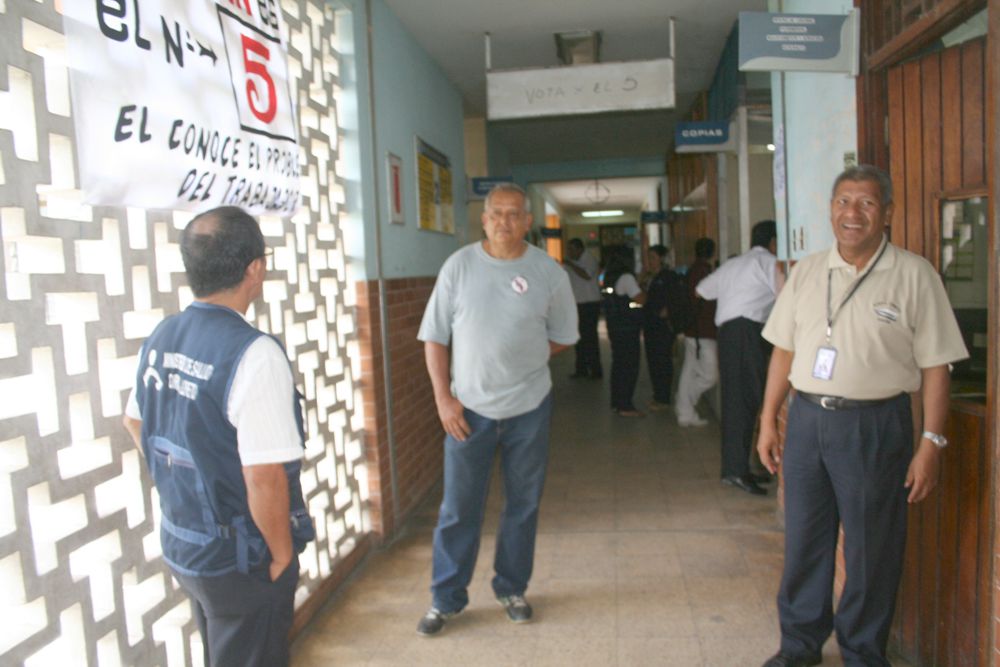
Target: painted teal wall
column 413, row 98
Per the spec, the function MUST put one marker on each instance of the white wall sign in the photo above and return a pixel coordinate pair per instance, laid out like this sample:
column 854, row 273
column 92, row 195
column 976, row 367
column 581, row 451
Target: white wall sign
column 183, row 104
column 580, row 89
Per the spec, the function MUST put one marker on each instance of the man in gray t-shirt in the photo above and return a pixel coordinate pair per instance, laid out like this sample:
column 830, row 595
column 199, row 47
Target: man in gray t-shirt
column 504, row 307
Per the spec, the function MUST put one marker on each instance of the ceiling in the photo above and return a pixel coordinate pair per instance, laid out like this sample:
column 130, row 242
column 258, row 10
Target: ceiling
column 451, row 31
column 627, row 194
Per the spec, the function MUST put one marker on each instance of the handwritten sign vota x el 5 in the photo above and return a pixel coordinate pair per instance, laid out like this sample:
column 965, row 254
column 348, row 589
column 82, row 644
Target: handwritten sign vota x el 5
column 183, row 104
column 580, row 89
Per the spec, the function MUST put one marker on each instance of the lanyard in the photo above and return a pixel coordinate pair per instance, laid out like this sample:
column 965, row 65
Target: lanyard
column 832, row 315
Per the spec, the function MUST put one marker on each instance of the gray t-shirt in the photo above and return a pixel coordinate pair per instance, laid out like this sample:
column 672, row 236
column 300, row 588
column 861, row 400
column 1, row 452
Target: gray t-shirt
column 499, row 316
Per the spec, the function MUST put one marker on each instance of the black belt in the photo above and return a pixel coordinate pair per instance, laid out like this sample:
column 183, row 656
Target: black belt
column 841, row 403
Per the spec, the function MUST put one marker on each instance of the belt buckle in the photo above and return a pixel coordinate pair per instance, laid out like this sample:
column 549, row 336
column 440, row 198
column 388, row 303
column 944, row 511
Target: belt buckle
column 828, row 402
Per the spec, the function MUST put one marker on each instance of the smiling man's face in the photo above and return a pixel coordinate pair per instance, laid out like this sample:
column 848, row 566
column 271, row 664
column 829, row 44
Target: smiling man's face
column 859, row 219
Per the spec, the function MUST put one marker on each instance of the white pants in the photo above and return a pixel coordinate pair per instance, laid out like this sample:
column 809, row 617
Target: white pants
column 700, row 373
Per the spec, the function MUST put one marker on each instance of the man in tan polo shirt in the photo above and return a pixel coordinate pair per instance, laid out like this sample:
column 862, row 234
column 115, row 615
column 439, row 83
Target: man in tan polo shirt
column 856, row 330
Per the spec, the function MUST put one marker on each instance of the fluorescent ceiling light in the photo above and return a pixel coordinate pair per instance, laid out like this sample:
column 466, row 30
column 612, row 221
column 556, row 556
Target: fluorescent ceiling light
column 602, row 214
column 770, row 147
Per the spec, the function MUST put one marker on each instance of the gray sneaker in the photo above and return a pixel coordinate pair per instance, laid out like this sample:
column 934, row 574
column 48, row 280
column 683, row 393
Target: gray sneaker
column 518, row 609
column 433, row 621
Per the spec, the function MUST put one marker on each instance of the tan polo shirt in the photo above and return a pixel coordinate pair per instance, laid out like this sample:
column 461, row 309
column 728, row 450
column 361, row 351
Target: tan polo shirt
column 897, row 322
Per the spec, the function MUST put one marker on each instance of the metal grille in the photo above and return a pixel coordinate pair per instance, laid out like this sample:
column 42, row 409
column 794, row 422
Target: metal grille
column 82, row 286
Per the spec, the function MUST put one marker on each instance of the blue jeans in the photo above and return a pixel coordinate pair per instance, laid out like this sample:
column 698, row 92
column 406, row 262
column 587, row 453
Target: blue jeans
column 523, row 442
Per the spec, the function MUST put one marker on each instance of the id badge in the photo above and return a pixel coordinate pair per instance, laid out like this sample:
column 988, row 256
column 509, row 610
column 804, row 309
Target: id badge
column 826, row 357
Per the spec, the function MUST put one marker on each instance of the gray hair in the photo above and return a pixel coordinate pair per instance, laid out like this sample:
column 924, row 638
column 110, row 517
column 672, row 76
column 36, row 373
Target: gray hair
column 508, row 187
column 867, row 172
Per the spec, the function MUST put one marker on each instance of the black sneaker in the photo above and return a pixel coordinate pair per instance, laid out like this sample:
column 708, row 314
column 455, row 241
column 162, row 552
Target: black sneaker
column 433, row 621
column 518, row 609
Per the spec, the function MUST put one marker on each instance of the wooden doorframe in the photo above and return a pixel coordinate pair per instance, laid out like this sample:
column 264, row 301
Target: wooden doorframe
column 873, row 148
column 993, row 328
column 876, row 59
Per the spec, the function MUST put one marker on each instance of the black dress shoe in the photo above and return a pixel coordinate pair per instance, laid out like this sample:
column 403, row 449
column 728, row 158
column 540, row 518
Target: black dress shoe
column 745, row 484
column 761, row 479
column 780, row 659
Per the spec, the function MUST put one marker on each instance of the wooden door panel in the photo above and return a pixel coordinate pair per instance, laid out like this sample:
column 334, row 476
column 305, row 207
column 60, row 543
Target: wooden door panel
column 937, row 143
column 897, row 158
column 913, row 149
column 951, row 119
column 973, row 125
column 931, row 112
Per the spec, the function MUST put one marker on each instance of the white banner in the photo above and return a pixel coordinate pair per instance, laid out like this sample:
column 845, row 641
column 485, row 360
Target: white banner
column 580, row 89
column 183, row 104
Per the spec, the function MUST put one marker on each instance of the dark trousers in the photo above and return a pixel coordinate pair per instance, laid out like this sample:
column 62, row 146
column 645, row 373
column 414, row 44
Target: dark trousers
column 588, row 350
column 844, row 466
column 743, row 359
column 244, row 620
column 659, row 338
column 624, row 364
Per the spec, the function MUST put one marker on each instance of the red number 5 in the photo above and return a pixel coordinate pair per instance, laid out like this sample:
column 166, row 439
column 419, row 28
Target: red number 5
column 256, row 68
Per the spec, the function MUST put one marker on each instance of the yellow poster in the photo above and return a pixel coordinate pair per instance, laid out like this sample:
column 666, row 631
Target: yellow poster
column 435, row 204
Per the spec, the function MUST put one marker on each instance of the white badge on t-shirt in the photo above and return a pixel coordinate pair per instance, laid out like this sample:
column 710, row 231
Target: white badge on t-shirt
column 826, row 357
column 519, row 284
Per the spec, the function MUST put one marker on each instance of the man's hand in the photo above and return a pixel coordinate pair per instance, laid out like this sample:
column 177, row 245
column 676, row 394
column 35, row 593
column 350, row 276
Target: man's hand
column 452, row 415
column 922, row 475
column 267, row 496
column 450, row 409
column 769, row 446
column 276, row 568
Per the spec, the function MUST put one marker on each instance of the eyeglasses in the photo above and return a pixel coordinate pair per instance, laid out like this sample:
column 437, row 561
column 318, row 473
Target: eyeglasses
column 500, row 214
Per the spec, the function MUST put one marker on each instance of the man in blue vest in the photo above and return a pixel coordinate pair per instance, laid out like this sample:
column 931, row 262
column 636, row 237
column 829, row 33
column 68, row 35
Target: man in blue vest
column 216, row 415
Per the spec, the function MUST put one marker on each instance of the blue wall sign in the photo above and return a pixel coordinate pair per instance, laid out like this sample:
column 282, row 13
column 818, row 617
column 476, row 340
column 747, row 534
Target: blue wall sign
column 703, row 137
column 799, row 42
column 653, row 216
column 480, row 187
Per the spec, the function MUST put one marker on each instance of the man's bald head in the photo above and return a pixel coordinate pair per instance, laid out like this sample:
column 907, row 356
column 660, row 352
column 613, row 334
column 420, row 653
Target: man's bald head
column 217, row 246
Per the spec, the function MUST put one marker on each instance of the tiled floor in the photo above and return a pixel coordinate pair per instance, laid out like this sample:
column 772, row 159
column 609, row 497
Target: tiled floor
column 643, row 558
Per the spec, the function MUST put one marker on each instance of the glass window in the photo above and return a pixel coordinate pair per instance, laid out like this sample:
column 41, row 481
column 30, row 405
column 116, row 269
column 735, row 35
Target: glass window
column 963, row 262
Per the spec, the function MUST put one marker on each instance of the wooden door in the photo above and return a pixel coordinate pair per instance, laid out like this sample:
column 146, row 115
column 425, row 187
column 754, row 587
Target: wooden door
column 937, row 130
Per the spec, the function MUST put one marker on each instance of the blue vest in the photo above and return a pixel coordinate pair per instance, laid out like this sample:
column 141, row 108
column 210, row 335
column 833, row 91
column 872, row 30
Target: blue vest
column 186, row 370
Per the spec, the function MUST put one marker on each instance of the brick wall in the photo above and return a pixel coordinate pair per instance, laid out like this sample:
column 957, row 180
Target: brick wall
column 416, row 428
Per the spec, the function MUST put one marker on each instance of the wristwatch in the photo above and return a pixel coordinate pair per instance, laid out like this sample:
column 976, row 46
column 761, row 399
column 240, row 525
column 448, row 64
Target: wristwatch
column 939, row 440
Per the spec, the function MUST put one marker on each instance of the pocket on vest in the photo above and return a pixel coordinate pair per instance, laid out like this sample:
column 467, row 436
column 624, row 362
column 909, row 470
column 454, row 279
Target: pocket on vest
column 186, row 512
column 303, row 530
